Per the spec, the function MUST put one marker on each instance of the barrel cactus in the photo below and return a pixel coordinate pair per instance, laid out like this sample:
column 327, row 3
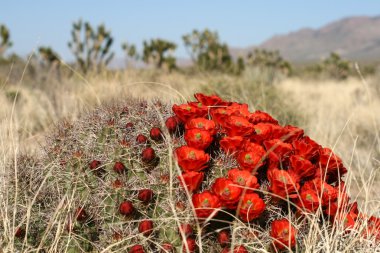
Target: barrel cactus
column 209, row 175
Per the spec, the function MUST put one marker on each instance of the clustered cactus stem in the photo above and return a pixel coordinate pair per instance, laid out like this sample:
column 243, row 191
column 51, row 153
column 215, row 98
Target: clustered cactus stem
column 207, row 175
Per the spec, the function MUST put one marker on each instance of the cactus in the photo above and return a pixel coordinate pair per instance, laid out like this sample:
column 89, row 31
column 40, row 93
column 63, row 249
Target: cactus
column 208, row 53
column 110, row 183
column 91, row 47
column 5, row 42
column 158, row 52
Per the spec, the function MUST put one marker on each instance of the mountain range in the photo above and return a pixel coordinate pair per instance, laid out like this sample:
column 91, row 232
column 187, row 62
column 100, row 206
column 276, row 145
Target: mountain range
column 354, row 38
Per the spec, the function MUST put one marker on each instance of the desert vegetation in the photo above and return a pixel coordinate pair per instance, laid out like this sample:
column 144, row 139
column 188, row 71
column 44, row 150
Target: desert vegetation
column 101, row 160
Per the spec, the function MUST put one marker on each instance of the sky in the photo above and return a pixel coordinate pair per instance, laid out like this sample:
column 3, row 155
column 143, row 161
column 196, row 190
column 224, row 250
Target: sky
column 239, row 23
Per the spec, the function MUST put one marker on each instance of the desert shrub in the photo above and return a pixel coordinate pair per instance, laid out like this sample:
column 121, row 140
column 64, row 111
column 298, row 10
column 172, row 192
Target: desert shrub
column 238, row 179
column 333, row 67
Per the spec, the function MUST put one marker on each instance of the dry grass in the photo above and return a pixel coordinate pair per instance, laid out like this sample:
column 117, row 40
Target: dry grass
column 342, row 115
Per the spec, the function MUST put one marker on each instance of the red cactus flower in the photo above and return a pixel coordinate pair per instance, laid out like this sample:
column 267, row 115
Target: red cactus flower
column 119, row 167
column 278, row 152
column 327, row 192
column 278, row 147
column 236, row 249
column 282, row 183
column 373, row 228
column 156, row 134
column 231, row 145
column 252, row 147
column 340, row 204
column 211, row 100
column 224, row 238
column 172, row 124
column 292, row 133
column 111, row 122
column 80, row 214
column 20, row 233
column 261, row 117
column 189, row 245
column 199, row 139
column 252, row 160
column 263, row 132
column 251, row 207
column 141, row 139
column 191, row 159
column 180, row 206
column 347, row 219
column 117, row 184
column 301, row 167
column 167, row 248
column 185, row 230
column 306, row 147
column 219, row 115
column 94, row 164
column 331, row 163
column 201, row 124
column 279, row 132
column 283, row 234
column 309, row 200
column 126, row 208
column 191, row 180
column 145, row 195
column 164, row 178
column 148, row 155
column 243, row 178
column 129, row 125
column 205, row 204
column 146, row 227
column 117, row 236
column 239, row 110
column 137, row 249
column 237, row 126
column 191, row 110
column 227, row 191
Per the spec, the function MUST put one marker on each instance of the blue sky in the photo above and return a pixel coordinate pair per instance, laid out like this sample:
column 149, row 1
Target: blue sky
column 239, row 23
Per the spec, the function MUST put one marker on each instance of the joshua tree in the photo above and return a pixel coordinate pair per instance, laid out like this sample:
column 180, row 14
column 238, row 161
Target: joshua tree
column 268, row 59
column 5, row 41
column 50, row 60
column 208, row 53
column 336, row 67
column 49, row 57
column 158, row 52
column 130, row 51
column 91, row 47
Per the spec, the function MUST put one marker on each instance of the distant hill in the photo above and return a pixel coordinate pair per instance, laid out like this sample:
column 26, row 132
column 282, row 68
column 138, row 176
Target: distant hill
column 354, row 38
